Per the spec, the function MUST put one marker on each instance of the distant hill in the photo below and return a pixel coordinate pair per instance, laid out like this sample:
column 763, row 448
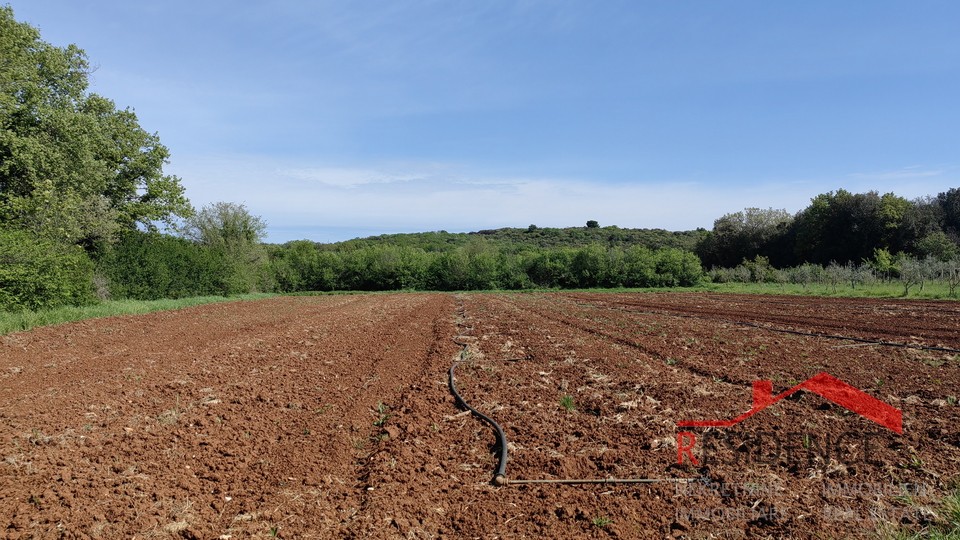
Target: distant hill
column 516, row 239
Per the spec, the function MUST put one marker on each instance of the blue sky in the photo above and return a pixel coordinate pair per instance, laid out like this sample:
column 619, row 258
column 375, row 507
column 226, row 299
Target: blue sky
column 333, row 120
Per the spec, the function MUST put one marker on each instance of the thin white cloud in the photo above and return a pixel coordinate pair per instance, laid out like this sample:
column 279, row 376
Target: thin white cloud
column 416, row 197
column 345, row 177
column 914, row 171
column 437, row 196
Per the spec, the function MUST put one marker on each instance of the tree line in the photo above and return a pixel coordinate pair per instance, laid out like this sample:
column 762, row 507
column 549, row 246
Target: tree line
column 478, row 265
column 148, row 266
column 544, row 237
column 839, row 227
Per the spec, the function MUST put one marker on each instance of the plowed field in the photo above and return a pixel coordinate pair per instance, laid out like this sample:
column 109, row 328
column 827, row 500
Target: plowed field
column 332, row 417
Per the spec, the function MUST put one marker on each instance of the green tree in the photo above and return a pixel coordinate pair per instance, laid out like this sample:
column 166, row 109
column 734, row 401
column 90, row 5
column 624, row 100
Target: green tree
column 450, row 271
column 950, row 205
column 551, row 268
column 760, row 269
column 589, row 266
column 676, row 267
column 882, row 262
column 743, row 235
column 72, row 167
column 231, row 229
column 846, row 227
column 937, row 245
column 924, row 217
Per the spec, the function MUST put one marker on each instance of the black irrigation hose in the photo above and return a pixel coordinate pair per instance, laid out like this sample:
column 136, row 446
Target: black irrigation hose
column 500, row 477
column 772, row 329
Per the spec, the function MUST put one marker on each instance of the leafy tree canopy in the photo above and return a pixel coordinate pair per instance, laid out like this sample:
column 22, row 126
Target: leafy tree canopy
column 72, row 166
column 230, row 229
column 224, row 224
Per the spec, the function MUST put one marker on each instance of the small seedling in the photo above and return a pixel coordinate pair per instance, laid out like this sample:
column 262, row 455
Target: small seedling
column 915, row 462
column 602, row 521
column 567, row 403
column 672, row 361
column 382, row 411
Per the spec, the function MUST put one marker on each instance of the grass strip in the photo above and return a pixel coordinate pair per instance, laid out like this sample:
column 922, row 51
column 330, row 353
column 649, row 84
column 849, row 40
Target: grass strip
column 25, row 320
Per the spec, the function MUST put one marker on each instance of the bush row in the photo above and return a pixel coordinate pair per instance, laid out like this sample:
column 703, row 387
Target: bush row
column 303, row 266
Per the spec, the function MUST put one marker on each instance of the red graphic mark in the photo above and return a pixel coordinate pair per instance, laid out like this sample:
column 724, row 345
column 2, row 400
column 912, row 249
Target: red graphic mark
column 688, row 450
column 827, row 386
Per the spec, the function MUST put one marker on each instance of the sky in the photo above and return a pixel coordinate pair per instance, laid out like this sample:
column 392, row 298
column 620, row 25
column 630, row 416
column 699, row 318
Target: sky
column 333, row 120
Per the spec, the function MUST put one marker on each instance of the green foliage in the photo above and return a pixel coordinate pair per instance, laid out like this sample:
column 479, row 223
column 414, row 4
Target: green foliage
column 887, row 276
column 846, row 227
column 601, row 521
column 478, row 265
column 882, row 261
column 74, row 171
column 41, row 274
column 150, row 266
column 839, row 227
column 937, row 245
column 760, row 269
column 230, row 231
column 516, row 239
column 72, row 167
column 743, row 235
column 551, row 268
column 590, row 266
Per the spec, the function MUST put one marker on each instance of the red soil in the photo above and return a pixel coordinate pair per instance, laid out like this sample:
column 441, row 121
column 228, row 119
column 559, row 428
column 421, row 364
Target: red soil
column 331, row 417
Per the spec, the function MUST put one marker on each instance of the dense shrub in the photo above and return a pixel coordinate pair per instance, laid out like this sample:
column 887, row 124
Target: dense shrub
column 37, row 273
column 478, row 265
column 150, row 266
